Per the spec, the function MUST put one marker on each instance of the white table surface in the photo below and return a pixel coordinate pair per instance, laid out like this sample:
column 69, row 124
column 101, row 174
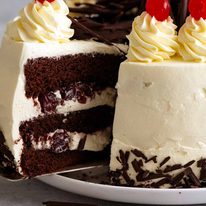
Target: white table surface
column 32, row 192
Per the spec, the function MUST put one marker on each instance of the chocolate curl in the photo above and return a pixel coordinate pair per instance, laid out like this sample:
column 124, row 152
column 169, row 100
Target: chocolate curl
column 179, row 11
column 183, row 12
column 94, row 34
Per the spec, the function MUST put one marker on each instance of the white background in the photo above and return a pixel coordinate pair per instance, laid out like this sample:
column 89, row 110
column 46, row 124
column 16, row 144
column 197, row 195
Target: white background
column 8, row 10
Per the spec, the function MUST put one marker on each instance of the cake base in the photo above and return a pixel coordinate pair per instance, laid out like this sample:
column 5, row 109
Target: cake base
column 35, row 163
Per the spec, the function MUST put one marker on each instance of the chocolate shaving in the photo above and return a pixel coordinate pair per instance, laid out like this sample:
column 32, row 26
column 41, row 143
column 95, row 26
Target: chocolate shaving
column 154, row 159
column 203, row 174
column 182, row 12
column 124, row 159
column 145, row 174
column 118, row 159
column 202, row 164
column 172, row 168
column 109, row 10
column 2, row 140
column 140, row 163
column 136, row 165
column 192, row 177
column 82, row 143
column 159, row 171
column 101, row 38
column 115, row 174
column 177, row 179
column 127, row 178
column 138, row 153
column 189, row 164
column 160, row 183
column 164, row 161
column 94, row 34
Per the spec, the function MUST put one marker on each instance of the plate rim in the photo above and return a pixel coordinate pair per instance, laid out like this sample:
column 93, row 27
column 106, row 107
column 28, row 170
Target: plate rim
column 178, row 195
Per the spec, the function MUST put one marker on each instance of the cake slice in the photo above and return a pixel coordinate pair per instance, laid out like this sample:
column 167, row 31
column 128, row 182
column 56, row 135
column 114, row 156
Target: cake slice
column 57, row 95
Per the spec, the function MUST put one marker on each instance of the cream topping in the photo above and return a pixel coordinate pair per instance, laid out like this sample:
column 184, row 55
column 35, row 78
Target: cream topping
column 47, row 22
column 152, row 40
column 192, row 39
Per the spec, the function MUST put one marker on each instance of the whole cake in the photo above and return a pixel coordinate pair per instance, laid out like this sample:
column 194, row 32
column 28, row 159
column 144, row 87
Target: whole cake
column 57, row 94
column 159, row 127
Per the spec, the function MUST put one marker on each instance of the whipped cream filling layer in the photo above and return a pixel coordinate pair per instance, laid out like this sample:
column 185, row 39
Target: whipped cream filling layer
column 99, row 98
column 96, row 141
column 104, row 97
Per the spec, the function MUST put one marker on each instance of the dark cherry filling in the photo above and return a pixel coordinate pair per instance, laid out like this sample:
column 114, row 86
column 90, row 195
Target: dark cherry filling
column 60, row 142
column 48, row 102
column 78, row 91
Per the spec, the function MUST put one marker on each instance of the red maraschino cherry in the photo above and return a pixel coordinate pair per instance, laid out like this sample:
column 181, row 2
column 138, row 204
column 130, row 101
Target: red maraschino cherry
column 160, row 9
column 42, row 1
column 197, row 9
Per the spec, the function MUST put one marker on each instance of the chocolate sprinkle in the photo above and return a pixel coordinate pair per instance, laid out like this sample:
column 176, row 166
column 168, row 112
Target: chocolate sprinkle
column 201, row 163
column 136, row 165
column 203, row 173
column 172, row 168
column 124, row 158
column 192, row 177
column 189, row 164
column 160, row 183
column 138, row 153
column 178, row 178
column 82, row 143
column 101, row 38
column 164, row 161
column 127, row 178
column 154, row 159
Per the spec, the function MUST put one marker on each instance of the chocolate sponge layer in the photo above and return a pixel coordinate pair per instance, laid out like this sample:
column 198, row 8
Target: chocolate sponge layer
column 86, row 121
column 50, row 74
column 38, row 162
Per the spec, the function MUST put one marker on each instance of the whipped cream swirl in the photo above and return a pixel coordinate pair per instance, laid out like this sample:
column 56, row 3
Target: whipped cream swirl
column 47, row 22
column 192, row 40
column 152, row 40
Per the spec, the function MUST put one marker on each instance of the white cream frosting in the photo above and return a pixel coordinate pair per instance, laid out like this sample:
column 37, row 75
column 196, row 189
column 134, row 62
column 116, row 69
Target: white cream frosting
column 192, row 40
column 14, row 106
column 95, row 141
column 161, row 110
column 152, row 40
column 37, row 22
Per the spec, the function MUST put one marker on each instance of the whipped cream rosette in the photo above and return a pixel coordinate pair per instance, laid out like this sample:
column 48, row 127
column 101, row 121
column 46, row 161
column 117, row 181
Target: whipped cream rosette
column 152, row 40
column 42, row 22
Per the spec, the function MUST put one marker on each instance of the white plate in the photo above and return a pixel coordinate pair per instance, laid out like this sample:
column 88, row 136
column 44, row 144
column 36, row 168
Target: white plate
column 126, row 194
